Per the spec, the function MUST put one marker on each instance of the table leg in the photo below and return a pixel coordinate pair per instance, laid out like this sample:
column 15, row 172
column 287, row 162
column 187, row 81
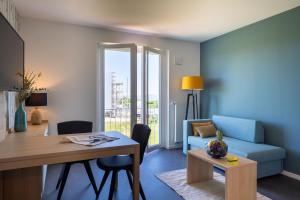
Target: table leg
column 241, row 183
column 198, row 170
column 136, row 173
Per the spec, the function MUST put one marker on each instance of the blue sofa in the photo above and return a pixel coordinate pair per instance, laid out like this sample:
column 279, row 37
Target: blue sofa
column 244, row 137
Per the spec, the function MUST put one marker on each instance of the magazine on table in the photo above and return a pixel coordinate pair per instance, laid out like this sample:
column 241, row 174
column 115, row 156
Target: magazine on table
column 89, row 139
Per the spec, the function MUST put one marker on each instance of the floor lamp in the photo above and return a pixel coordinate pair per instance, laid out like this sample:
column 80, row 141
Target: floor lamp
column 192, row 83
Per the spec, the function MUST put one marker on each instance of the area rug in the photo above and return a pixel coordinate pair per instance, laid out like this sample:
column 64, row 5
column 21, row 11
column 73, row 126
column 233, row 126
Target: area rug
column 209, row 190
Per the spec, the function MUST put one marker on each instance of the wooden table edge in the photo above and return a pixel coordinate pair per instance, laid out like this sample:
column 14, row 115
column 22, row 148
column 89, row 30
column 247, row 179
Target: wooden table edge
column 38, row 160
column 211, row 160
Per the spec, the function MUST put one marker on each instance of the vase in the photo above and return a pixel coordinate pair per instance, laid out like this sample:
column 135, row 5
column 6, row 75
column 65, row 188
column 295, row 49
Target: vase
column 20, row 119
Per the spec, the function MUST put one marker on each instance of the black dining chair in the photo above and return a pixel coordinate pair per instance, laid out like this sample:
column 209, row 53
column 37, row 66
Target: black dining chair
column 114, row 164
column 73, row 127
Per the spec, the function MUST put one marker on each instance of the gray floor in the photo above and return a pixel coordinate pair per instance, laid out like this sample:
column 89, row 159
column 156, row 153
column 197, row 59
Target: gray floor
column 78, row 187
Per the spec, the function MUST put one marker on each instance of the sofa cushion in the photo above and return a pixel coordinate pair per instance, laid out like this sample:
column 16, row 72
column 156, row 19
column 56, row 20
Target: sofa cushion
column 258, row 152
column 206, row 131
column 198, row 141
column 195, row 125
column 239, row 128
column 187, row 131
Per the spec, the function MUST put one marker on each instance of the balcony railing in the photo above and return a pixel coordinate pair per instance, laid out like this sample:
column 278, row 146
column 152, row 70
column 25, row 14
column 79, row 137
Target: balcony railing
column 119, row 120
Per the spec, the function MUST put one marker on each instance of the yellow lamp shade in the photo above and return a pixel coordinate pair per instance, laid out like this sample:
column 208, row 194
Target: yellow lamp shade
column 192, row 83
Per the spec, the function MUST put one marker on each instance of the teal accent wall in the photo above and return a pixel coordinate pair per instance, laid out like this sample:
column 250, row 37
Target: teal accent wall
column 254, row 72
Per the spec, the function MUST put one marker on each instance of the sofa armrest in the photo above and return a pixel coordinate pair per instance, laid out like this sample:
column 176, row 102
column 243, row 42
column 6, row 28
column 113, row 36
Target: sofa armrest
column 187, row 131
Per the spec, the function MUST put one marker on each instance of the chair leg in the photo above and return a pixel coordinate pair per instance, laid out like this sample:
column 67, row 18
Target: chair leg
column 112, row 185
column 129, row 179
column 102, row 183
column 117, row 181
column 142, row 192
column 61, row 175
column 63, row 180
column 90, row 174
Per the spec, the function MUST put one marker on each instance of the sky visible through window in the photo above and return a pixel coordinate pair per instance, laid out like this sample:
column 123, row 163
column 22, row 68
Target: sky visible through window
column 117, row 62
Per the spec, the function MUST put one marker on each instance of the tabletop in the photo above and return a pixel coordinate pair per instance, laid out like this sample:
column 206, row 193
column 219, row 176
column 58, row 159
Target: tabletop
column 19, row 151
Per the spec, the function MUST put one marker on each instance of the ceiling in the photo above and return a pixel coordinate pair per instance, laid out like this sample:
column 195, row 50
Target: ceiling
column 194, row 20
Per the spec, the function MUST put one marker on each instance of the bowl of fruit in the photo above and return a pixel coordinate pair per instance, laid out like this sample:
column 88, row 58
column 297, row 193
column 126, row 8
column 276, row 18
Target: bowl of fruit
column 217, row 148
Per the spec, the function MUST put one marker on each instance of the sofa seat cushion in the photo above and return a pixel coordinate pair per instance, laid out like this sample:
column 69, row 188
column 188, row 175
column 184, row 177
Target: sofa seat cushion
column 198, row 141
column 253, row 151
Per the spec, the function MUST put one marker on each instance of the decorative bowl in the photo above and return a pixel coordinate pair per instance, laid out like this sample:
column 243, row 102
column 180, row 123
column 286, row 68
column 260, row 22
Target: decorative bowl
column 217, row 148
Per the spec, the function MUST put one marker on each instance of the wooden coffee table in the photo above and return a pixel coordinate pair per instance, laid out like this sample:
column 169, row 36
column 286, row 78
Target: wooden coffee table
column 240, row 178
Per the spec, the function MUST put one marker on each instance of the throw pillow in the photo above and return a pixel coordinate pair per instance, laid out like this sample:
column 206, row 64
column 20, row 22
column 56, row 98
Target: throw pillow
column 206, row 131
column 197, row 124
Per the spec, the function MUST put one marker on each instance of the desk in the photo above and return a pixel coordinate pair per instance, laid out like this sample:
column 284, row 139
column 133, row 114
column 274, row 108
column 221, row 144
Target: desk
column 30, row 153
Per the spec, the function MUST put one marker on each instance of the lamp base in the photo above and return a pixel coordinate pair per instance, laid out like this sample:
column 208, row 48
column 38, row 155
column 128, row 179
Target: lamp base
column 36, row 117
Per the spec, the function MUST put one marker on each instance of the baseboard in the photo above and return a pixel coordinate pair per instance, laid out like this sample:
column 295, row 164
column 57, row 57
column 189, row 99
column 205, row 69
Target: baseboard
column 291, row 175
column 175, row 146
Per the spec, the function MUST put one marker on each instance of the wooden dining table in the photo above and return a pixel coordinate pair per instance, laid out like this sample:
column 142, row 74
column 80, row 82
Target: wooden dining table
column 22, row 158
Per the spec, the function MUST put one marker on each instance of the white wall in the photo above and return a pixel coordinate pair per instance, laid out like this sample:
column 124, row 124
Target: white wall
column 66, row 56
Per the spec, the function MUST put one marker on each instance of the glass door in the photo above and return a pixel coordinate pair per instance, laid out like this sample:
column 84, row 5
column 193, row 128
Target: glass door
column 129, row 79
column 118, row 95
column 152, row 94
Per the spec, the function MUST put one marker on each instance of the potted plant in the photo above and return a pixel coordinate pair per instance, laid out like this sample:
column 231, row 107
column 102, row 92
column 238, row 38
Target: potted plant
column 23, row 93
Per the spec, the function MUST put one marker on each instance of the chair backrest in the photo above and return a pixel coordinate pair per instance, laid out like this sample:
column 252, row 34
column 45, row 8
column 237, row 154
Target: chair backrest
column 72, row 127
column 141, row 134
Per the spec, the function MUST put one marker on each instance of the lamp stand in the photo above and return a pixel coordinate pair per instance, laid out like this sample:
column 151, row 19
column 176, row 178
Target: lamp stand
column 195, row 101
